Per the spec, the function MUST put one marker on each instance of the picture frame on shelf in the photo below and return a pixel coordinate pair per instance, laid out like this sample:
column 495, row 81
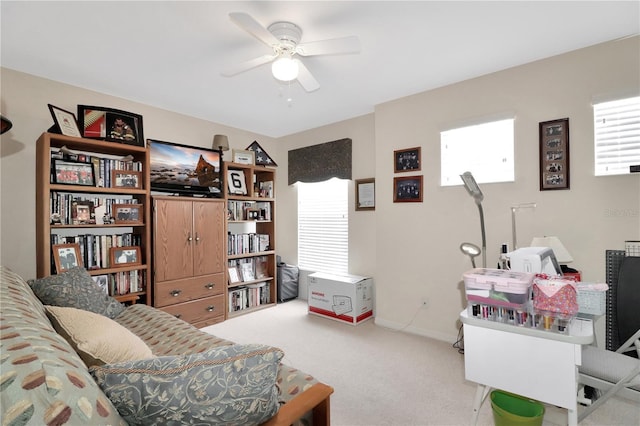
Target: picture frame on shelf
column 102, row 281
column 244, row 156
column 407, row 189
column 246, row 270
column 66, row 256
column 253, row 214
column 407, row 160
column 129, row 214
column 554, row 154
column 234, row 277
column 82, row 212
column 236, row 182
column 111, row 125
column 365, row 194
column 65, row 122
column 126, row 179
column 125, row 256
column 72, row 173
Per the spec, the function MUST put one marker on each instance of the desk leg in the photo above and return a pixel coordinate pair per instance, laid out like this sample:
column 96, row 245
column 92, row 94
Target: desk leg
column 481, row 394
column 572, row 417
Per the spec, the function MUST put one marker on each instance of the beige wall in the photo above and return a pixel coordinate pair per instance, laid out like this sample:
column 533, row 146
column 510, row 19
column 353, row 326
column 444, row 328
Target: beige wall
column 410, row 249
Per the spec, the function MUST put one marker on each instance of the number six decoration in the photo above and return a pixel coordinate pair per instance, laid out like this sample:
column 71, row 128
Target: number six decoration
column 236, row 183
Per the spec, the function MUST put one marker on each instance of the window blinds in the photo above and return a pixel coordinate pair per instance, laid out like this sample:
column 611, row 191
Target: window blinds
column 616, row 136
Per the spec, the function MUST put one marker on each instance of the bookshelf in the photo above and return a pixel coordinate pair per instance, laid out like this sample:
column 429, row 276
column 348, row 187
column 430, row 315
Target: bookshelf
column 251, row 254
column 75, row 212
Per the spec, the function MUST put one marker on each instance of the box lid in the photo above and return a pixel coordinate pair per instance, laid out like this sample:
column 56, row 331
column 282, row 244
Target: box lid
column 498, row 280
column 347, row 278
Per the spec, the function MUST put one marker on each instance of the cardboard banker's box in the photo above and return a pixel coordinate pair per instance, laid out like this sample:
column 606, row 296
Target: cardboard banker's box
column 345, row 298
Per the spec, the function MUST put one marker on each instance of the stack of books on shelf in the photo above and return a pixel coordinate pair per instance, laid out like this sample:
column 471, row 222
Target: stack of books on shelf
column 102, row 166
column 71, row 209
column 250, row 269
column 249, row 296
column 95, row 248
column 247, row 243
column 248, row 210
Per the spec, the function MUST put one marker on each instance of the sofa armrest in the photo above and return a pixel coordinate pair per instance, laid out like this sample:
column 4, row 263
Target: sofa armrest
column 315, row 398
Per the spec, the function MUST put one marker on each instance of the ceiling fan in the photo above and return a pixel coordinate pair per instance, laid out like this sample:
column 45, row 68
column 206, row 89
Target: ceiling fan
column 284, row 40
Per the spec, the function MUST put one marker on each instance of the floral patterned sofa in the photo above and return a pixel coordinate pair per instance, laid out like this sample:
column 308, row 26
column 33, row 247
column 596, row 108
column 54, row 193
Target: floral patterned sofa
column 145, row 366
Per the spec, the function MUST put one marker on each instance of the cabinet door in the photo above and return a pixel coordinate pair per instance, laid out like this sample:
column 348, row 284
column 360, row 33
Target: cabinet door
column 209, row 238
column 174, row 238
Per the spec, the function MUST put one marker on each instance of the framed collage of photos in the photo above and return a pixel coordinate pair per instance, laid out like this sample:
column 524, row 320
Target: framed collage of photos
column 554, row 154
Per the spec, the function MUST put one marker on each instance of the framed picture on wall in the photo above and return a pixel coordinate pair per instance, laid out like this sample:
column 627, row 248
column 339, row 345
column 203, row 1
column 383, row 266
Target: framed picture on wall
column 554, row 154
column 406, row 160
column 407, row 189
column 366, row 194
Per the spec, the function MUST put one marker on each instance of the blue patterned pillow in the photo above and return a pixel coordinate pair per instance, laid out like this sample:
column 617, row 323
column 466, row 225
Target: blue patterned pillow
column 232, row 385
column 75, row 289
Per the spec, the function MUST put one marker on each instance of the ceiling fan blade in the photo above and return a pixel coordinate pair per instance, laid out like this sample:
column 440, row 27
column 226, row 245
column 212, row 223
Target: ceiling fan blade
column 334, row 46
column 247, row 65
column 253, row 27
column 306, row 80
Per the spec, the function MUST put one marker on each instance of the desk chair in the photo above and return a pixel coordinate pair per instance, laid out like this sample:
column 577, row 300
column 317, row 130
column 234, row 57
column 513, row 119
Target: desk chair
column 611, row 372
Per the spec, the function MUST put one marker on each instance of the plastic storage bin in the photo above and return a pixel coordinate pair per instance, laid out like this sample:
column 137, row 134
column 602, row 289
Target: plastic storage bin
column 498, row 287
column 510, row 409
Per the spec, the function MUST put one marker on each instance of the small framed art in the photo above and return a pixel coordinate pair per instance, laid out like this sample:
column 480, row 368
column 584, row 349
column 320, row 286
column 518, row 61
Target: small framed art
column 407, row 189
column 102, row 281
column 65, row 122
column 110, row 124
column 72, row 173
column 126, row 179
column 244, row 156
column 125, row 256
column 406, row 160
column 66, row 256
column 554, row 154
column 82, row 212
column 130, row 214
column 366, row 194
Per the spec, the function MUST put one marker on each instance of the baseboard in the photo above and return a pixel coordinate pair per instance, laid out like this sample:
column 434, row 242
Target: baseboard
column 444, row 337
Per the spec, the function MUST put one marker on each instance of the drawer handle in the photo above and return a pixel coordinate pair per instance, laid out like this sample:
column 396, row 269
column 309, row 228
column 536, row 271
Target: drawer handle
column 210, row 308
column 209, row 286
column 178, row 316
column 175, row 293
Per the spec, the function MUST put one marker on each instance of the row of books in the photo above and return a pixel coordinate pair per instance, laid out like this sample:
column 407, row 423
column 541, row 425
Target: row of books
column 248, row 210
column 94, row 249
column 249, row 296
column 248, row 269
column 102, row 166
column 247, row 243
column 120, row 283
column 67, row 209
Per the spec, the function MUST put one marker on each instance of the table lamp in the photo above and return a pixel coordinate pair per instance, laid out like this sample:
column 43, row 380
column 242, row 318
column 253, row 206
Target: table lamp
column 474, row 190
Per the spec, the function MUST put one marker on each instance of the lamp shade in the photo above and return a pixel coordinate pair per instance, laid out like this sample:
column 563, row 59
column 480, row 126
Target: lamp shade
column 554, row 243
column 284, row 68
column 220, row 143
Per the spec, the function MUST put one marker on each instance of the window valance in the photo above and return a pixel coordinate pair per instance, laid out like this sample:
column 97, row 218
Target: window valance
column 318, row 163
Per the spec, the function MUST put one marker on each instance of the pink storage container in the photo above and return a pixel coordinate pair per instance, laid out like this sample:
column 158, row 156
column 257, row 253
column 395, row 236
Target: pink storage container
column 500, row 287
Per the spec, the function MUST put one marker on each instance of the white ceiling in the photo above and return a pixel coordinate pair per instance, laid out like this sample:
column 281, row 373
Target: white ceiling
column 170, row 54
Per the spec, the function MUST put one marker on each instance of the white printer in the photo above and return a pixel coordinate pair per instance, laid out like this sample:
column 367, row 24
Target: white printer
column 534, row 260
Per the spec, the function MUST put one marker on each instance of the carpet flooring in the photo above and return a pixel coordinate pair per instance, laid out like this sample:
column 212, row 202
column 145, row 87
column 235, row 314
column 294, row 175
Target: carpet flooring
column 383, row 376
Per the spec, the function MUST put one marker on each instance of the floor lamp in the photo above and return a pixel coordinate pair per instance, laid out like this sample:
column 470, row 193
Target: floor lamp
column 474, row 190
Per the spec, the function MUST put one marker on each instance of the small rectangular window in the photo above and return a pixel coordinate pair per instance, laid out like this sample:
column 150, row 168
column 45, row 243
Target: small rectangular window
column 484, row 149
column 616, row 136
column 323, row 226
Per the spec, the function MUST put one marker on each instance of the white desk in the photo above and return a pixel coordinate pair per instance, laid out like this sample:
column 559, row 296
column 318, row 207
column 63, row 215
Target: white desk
column 538, row 364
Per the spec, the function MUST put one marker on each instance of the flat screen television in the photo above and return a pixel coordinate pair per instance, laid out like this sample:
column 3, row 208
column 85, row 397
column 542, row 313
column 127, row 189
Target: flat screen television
column 184, row 170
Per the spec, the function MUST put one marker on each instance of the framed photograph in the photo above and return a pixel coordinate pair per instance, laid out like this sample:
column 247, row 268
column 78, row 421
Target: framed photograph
column 65, row 122
column 253, row 214
column 102, row 281
column 236, row 182
column 244, row 156
column 246, row 270
column 125, row 256
column 406, row 160
column 66, row 256
column 82, row 212
column 554, row 154
column 72, row 173
column 130, row 214
column 110, row 124
column 234, row 277
column 366, row 194
column 407, row 189
column 126, row 179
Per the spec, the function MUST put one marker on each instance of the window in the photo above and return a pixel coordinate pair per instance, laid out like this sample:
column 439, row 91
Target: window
column 616, row 136
column 323, row 226
column 486, row 150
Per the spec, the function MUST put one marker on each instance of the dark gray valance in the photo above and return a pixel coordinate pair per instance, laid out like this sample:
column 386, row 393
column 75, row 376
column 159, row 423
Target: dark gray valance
column 318, row 163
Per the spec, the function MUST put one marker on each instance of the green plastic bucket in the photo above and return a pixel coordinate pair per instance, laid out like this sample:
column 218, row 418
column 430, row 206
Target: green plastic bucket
column 510, row 409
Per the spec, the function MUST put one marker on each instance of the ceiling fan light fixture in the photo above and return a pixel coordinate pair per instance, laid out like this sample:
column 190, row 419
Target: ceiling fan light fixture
column 284, row 68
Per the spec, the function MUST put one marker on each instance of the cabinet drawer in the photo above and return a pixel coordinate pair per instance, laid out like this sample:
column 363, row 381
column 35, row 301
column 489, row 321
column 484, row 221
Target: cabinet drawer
column 198, row 311
column 178, row 291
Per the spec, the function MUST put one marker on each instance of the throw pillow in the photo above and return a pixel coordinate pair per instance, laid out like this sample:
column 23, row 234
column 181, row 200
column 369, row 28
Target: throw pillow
column 233, row 385
column 76, row 289
column 97, row 339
